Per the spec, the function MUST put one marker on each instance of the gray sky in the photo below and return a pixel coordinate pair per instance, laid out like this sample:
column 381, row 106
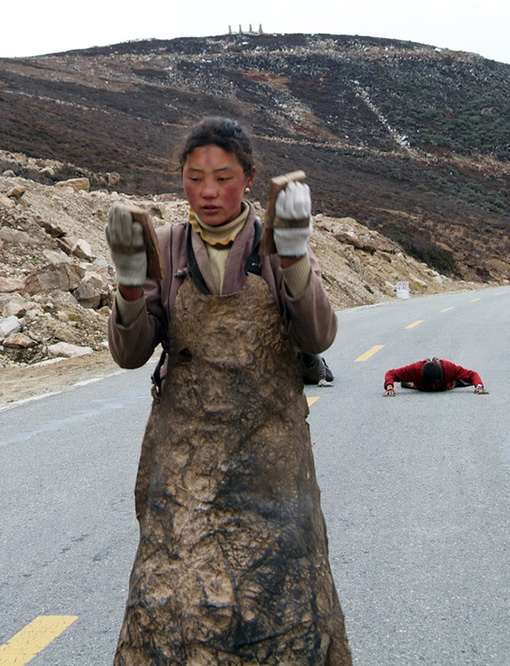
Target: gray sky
column 36, row 27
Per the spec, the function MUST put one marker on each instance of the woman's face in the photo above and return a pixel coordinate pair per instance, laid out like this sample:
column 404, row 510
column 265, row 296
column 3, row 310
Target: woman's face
column 214, row 182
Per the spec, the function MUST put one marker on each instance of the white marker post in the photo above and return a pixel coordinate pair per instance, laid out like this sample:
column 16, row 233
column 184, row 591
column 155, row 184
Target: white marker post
column 402, row 289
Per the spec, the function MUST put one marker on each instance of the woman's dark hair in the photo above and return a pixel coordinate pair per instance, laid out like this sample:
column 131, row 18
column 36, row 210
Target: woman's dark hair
column 432, row 372
column 223, row 132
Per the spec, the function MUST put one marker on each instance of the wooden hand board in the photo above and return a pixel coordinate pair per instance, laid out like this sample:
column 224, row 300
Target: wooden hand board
column 277, row 184
column 155, row 269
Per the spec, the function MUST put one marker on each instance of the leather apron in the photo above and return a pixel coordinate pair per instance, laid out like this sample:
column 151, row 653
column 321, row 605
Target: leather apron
column 232, row 564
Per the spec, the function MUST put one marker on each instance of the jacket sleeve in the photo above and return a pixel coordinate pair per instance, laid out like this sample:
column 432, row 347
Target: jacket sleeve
column 467, row 377
column 407, row 373
column 309, row 318
column 132, row 346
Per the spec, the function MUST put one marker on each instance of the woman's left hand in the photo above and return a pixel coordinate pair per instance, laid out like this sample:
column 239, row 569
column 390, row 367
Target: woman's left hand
column 294, row 202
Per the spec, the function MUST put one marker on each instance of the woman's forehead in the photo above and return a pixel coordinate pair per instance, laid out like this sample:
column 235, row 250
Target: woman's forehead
column 211, row 157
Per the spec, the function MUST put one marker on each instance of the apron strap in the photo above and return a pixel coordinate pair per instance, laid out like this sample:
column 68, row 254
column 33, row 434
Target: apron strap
column 253, row 264
column 193, row 264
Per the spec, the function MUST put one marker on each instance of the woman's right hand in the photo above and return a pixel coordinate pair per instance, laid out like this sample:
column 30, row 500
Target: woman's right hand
column 127, row 246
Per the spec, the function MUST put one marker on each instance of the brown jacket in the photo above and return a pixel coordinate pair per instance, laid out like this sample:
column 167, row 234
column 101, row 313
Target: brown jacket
column 309, row 319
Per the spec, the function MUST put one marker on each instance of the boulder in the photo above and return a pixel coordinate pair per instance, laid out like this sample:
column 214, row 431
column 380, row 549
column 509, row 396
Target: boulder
column 66, row 350
column 76, row 184
column 9, row 326
column 51, row 228
column 57, row 257
column 9, row 284
column 10, row 235
column 82, row 250
column 16, row 306
column 65, row 244
column 16, row 192
column 64, row 277
column 5, row 202
column 113, row 179
column 93, row 291
column 19, row 340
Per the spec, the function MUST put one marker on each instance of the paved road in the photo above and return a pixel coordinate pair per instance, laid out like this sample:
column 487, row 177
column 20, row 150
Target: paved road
column 414, row 490
column 415, row 487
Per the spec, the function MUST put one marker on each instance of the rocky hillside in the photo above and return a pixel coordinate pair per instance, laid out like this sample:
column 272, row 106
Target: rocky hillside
column 408, row 140
column 57, row 281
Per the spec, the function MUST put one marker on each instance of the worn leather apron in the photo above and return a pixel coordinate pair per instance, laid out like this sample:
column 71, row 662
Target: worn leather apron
column 232, row 565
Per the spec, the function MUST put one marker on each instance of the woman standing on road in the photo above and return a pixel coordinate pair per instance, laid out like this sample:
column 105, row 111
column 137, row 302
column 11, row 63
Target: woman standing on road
column 232, row 564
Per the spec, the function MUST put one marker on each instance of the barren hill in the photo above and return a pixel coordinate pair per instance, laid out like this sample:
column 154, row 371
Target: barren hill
column 409, row 140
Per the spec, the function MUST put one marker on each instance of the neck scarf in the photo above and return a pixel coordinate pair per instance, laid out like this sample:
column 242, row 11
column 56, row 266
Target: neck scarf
column 223, row 234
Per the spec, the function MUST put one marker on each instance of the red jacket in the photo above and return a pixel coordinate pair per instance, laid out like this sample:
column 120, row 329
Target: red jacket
column 453, row 375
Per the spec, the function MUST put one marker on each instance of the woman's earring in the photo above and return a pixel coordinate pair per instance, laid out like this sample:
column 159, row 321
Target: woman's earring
column 247, row 190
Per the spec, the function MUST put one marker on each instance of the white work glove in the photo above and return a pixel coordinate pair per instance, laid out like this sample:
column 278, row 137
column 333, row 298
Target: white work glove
column 127, row 247
column 293, row 203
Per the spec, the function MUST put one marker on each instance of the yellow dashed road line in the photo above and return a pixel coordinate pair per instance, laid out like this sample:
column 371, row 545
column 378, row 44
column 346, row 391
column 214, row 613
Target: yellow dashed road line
column 415, row 323
column 452, row 307
column 310, row 401
column 369, row 353
column 33, row 638
column 473, row 300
